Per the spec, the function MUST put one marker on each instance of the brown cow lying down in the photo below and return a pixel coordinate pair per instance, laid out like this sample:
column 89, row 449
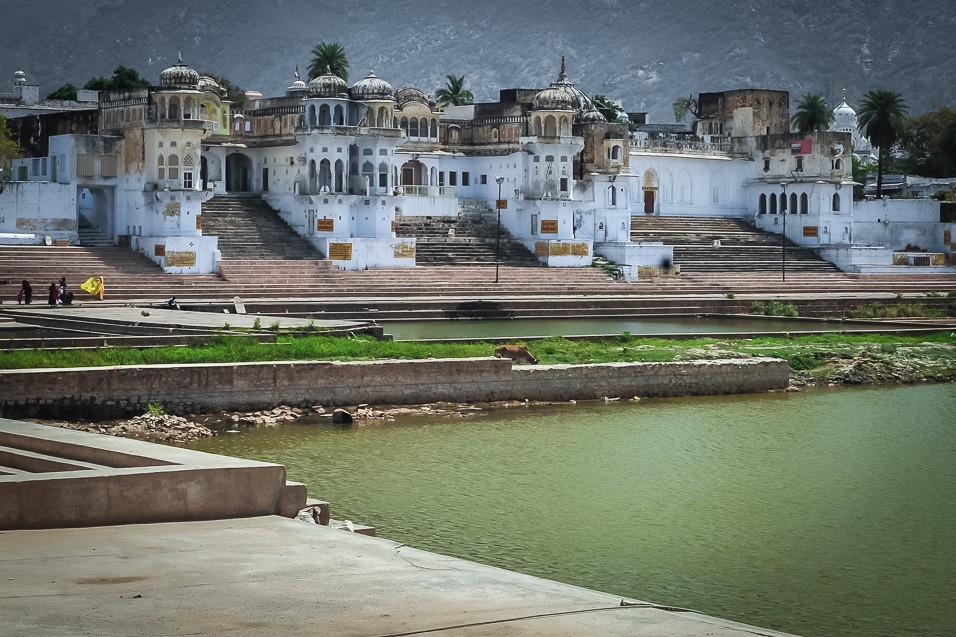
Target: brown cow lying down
column 517, row 353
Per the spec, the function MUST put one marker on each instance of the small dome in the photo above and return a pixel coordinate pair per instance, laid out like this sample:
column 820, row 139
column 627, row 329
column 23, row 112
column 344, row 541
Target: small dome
column 552, row 99
column 371, row 87
column 592, row 116
column 179, row 76
column 20, row 77
column 207, row 83
column 328, row 85
column 411, row 94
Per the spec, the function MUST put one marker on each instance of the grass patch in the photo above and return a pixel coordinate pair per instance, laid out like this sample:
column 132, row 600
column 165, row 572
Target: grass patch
column 877, row 310
column 803, row 352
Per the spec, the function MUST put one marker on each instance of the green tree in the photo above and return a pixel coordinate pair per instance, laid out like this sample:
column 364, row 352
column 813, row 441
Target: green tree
column 65, row 92
column 860, row 173
column 881, row 119
column 9, row 150
column 928, row 143
column 813, row 114
column 611, row 111
column 329, row 56
column 454, row 93
column 684, row 105
column 124, row 79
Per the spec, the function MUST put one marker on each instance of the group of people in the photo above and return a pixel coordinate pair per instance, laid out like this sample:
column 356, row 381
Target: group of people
column 59, row 294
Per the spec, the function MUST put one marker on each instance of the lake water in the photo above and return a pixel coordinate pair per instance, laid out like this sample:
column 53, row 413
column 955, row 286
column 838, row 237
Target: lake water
column 523, row 328
column 826, row 512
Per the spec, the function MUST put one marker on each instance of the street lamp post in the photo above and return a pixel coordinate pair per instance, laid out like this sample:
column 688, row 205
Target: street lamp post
column 500, row 181
column 783, row 236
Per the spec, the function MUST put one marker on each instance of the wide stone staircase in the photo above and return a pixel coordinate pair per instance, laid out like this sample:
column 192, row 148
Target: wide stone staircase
column 742, row 248
column 248, row 228
column 468, row 239
column 92, row 236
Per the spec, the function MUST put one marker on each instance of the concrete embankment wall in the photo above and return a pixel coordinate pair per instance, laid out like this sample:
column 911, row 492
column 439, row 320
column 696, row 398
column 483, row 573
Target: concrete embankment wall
column 108, row 392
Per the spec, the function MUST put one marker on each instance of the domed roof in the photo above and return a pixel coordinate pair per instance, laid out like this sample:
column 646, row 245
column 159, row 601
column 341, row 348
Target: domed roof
column 297, row 86
column 844, row 117
column 179, row 76
column 207, row 83
column 328, row 85
column 371, row 87
column 552, row 99
column 593, row 116
column 563, row 92
column 411, row 94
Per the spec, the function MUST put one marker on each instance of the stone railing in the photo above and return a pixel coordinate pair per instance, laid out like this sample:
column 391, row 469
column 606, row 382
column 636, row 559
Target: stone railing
column 428, row 191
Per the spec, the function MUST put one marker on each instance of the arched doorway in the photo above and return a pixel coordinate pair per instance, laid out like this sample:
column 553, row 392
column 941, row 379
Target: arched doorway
column 94, row 213
column 413, row 173
column 238, row 173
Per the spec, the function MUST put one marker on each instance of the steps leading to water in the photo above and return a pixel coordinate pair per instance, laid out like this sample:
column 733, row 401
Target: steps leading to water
column 248, row 228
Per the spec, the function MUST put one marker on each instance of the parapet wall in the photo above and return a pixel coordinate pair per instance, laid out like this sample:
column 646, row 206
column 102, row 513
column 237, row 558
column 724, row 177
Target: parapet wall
column 108, row 392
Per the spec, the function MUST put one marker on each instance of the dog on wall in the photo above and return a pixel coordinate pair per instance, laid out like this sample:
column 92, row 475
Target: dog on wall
column 517, row 353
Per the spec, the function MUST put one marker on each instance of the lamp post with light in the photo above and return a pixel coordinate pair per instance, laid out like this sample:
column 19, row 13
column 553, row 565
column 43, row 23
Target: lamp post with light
column 783, row 237
column 498, row 203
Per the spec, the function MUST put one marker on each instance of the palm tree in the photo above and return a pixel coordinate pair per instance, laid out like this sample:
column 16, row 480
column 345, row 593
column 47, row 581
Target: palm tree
column 881, row 119
column 813, row 114
column 329, row 56
column 454, row 92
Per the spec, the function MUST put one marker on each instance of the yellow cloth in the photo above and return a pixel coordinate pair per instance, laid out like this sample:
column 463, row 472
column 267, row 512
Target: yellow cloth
column 93, row 285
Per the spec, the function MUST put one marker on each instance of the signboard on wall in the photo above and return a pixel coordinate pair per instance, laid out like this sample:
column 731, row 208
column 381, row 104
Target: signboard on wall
column 801, row 147
column 560, row 248
column 541, row 248
column 579, row 249
column 501, row 204
column 549, row 226
column 159, row 250
column 811, row 231
column 325, row 225
column 340, row 251
column 180, row 259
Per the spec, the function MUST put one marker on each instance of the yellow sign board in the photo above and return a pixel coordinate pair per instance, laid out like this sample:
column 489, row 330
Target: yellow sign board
column 541, row 249
column 404, row 250
column 811, row 231
column 560, row 249
column 501, row 204
column 340, row 251
column 579, row 249
column 325, row 225
column 180, row 259
column 549, row 226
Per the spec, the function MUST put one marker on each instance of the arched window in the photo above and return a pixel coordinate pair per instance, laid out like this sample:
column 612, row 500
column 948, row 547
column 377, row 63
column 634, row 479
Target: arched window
column 325, row 175
column 804, row 204
column 434, row 129
column 550, row 126
column 339, row 176
column 313, row 178
column 338, row 118
column 173, row 108
column 173, row 167
column 325, row 115
column 836, row 202
column 188, row 108
column 773, row 204
column 838, row 164
column 413, row 127
column 783, row 204
column 793, row 203
column 161, row 168
column 423, row 127
column 494, row 134
column 762, row 206
column 405, row 125
column 383, row 175
column 615, row 153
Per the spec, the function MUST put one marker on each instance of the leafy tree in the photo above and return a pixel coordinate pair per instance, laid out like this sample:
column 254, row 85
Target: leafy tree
column 611, row 111
column 928, row 143
column 331, row 56
column 124, row 79
column 860, row 173
column 9, row 150
column 813, row 114
column 881, row 118
column 684, row 105
column 65, row 92
column 454, row 93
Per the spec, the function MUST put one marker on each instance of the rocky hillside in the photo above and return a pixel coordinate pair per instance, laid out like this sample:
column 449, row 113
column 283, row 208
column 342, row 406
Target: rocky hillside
column 643, row 52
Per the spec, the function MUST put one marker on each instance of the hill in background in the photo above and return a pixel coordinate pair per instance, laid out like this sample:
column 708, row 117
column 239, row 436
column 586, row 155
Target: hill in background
column 644, row 53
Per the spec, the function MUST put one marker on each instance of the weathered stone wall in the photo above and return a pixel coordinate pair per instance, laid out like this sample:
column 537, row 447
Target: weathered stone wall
column 104, row 392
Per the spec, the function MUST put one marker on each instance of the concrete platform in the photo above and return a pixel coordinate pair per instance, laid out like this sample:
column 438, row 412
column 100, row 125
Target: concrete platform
column 272, row 576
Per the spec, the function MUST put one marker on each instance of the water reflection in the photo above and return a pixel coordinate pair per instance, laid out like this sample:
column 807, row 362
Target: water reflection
column 821, row 513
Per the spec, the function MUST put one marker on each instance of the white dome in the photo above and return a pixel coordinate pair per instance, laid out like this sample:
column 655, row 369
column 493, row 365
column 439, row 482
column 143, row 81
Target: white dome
column 371, row 87
column 179, row 76
column 328, row 85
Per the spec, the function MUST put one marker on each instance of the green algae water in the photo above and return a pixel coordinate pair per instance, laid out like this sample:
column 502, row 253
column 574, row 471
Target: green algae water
column 827, row 512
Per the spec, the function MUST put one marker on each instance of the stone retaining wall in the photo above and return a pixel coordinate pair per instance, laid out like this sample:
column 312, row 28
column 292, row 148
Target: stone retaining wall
column 112, row 392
